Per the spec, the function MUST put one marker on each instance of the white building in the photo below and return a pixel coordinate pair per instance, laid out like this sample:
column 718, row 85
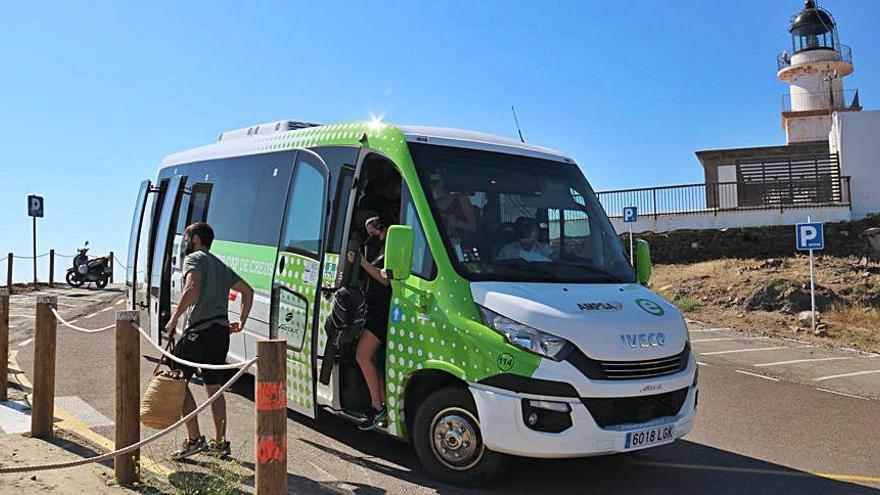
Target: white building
column 828, row 168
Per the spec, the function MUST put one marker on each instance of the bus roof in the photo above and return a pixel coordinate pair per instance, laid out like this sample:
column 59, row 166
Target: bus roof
column 262, row 138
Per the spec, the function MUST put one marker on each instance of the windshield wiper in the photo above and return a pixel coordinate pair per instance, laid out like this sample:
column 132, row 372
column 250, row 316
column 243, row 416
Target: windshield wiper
column 527, row 267
column 608, row 275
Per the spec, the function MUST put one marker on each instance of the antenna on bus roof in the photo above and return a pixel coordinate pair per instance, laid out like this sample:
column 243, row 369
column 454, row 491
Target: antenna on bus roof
column 517, row 124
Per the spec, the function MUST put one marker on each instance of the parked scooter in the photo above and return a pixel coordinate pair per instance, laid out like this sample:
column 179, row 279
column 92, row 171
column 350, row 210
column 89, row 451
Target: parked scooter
column 84, row 270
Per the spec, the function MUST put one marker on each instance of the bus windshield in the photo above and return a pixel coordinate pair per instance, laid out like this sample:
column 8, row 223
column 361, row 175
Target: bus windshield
column 515, row 218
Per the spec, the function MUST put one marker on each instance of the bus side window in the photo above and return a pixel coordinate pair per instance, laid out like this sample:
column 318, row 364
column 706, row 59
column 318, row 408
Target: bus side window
column 422, row 263
column 198, row 205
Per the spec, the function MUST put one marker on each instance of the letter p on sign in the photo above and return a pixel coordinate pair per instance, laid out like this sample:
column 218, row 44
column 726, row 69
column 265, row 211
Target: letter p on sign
column 630, row 214
column 809, row 236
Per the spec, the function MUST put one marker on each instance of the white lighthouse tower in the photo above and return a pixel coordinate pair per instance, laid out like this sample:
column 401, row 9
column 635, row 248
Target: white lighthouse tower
column 814, row 69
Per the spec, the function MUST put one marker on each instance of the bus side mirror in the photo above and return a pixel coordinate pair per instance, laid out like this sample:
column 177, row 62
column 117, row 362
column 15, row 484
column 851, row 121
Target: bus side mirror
column 399, row 251
column 643, row 261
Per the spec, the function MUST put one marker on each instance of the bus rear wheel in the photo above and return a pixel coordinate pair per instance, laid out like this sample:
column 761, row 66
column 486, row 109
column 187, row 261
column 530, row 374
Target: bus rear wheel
column 449, row 443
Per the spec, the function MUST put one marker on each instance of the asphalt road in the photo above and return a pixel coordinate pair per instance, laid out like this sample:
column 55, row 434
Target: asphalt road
column 753, row 435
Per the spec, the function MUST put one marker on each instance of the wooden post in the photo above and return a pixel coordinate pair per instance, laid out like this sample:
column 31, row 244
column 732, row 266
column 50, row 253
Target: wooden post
column 112, row 266
column 128, row 394
column 43, row 397
column 4, row 343
column 271, row 415
column 51, row 268
column 9, row 272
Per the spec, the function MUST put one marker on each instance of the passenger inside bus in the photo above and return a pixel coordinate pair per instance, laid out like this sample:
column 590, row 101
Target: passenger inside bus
column 457, row 213
column 526, row 246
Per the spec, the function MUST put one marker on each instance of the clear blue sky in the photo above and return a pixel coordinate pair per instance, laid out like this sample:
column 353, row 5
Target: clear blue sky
column 94, row 94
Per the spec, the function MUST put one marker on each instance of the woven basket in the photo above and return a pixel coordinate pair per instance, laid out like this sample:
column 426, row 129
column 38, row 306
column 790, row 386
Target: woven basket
column 162, row 404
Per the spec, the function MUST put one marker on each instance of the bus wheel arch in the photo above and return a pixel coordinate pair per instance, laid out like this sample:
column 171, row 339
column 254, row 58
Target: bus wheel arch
column 419, row 386
column 444, row 427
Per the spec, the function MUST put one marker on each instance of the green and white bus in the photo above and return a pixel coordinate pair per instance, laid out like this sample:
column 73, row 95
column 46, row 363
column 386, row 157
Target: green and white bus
column 495, row 347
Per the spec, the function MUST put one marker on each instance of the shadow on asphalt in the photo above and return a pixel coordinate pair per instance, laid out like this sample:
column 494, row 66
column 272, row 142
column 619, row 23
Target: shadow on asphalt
column 681, row 467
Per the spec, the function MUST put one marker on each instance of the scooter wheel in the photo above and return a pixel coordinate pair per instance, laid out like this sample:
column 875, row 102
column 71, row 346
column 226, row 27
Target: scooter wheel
column 72, row 280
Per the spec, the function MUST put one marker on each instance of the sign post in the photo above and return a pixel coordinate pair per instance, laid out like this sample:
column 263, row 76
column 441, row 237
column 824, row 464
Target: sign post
column 35, row 209
column 630, row 216
column 809, row 237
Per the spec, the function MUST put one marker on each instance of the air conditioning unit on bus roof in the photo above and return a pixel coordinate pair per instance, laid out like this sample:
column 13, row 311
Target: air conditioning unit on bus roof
column 263, row 129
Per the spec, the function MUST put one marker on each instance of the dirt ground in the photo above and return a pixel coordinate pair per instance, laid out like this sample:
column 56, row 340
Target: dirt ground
column 766, row 296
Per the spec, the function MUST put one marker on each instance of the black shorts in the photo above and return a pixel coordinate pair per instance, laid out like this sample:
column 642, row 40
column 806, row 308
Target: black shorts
column 377, row 320
column 209, row 346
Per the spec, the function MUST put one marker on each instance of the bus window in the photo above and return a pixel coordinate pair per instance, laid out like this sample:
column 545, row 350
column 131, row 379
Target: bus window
column 302, row 232
column 340, row 206
column 422, row 263
column 198, row 205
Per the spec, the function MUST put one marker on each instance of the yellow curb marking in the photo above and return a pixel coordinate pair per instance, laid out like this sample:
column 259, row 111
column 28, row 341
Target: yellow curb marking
column 74, row 425
column 778, row 472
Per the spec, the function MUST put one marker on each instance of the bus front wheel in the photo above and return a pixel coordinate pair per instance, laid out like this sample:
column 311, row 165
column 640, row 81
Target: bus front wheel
column 449, row 443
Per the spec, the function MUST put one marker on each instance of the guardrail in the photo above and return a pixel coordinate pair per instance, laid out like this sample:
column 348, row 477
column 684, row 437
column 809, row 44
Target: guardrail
column 783, row 59
column 728, row 196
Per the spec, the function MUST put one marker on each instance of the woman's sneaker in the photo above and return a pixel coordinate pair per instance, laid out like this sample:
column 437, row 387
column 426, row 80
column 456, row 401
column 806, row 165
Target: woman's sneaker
column 189, row 448
column 375, row 419
column 220, row 450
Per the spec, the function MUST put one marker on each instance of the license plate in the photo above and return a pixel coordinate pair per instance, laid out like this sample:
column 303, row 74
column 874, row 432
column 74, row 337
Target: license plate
column 649, row 436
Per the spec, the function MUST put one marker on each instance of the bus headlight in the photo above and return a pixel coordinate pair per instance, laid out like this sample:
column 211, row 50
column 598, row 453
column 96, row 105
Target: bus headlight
column 526, row 337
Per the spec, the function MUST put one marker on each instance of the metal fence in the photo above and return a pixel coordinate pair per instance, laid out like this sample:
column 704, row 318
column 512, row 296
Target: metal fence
column 728, row 196
column 783, row 59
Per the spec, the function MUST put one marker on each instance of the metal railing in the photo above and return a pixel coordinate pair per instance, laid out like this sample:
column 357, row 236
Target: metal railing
column 729, row 196
column 783, row 59
column 822, row 100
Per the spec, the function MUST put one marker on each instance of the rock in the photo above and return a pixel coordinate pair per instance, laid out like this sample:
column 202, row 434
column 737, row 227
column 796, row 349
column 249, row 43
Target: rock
column 805, row 318
column 679, row 294
column 795, row 300
column 795, row 328
column 821, row 330
column 772, row 263
column 765, row 299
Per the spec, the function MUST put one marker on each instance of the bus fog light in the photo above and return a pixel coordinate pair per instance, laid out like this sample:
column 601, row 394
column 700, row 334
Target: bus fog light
column 533, row 419
column 550, row 406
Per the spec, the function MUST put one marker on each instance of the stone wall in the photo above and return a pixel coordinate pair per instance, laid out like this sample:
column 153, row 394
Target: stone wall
column 856, row 238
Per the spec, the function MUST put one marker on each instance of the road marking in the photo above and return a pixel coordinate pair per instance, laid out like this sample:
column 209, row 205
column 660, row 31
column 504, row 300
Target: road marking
column 15, row 417
column 757, row 375
column 120, row 302
column 108, row 308
column 22, row 316
column 795, row 361
column 835, row 392
column 777, row 472
column 736, row 351
column 701, row 364
column 83, row 411
column 26, row 342
column 720, row 339
column 857, row 373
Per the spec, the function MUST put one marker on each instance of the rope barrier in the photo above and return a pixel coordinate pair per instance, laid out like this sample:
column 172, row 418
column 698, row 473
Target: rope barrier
column 30, row 257
column 136, row 446
column 79, row 329
column 203, row 366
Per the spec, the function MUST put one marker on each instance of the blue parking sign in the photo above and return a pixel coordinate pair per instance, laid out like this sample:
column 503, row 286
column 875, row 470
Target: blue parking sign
column 630, row 214
column 809, row 236
column 35, row 206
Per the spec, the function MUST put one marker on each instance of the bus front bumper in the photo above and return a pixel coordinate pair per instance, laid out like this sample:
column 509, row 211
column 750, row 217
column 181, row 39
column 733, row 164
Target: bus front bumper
column 503, row 418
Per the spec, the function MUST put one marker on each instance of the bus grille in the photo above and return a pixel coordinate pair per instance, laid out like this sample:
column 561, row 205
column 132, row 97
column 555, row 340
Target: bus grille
column 632, row 410
column 629, row 370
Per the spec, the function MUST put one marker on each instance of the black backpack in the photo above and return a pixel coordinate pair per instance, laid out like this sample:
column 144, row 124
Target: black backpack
column 345, row 323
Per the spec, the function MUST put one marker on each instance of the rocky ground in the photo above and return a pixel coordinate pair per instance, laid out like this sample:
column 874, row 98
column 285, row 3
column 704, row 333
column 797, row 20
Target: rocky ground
column 773, row 296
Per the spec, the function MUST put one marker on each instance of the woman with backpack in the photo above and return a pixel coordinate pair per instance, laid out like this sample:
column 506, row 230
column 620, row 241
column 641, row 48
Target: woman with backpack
column 378, row 296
